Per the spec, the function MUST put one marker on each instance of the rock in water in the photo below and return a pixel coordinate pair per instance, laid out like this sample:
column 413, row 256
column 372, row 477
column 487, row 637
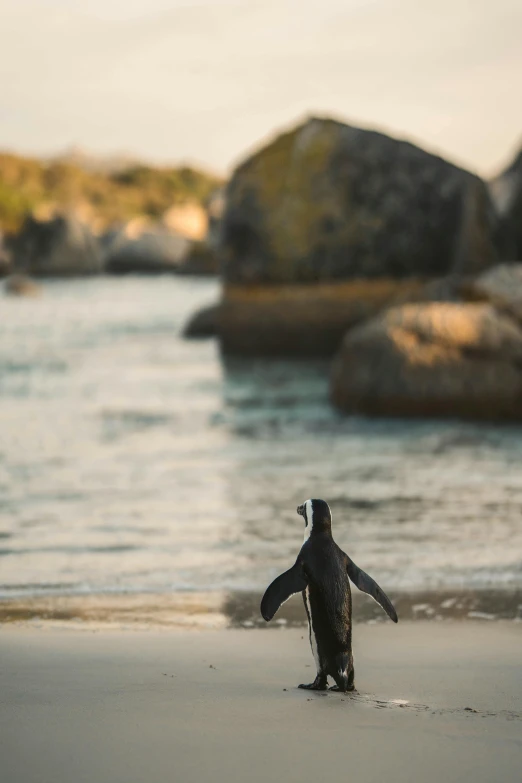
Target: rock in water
column 59, row 247
column 439, row 359
column 21, row 285
column 302, row 320
column 329, row 203
column 205, row 323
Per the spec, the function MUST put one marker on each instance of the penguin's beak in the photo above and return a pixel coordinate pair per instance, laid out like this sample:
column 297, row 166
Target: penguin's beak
column 300, row 510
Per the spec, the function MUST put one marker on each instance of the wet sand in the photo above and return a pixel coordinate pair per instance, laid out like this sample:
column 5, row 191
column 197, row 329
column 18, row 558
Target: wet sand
column 436, row 702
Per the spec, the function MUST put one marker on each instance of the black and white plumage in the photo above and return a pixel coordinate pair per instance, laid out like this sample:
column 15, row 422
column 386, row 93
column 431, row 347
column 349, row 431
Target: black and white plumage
column 321, row 573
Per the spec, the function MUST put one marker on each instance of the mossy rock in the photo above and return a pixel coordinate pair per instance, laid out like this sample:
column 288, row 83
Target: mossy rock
column 327, row 201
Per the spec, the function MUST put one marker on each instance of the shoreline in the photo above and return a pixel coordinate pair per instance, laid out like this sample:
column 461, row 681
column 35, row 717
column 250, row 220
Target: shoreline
column 240, row 609
column 435, row 701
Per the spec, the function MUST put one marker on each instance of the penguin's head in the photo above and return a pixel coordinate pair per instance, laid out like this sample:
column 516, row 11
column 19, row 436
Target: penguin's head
column 317, row 516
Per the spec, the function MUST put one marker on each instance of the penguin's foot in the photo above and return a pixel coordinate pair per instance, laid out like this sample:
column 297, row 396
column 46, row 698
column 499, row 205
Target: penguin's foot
column 349, row 689
column 319, row 684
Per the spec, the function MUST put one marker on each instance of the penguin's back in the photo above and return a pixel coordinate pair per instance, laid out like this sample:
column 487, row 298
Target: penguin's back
column 329, row 595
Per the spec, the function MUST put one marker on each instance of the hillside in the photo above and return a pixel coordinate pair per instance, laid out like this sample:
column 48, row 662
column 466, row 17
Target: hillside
column 27, row 184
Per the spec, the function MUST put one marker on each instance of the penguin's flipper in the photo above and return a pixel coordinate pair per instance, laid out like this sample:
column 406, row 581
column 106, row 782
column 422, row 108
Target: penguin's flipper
column 367, row 585
column 291, row 582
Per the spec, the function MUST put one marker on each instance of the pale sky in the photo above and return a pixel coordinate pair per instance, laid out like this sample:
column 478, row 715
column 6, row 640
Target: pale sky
column 206, row 80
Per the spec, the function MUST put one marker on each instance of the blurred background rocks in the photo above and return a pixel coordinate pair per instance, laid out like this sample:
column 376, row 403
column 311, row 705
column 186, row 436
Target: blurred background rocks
column 61, row 246
column 78, row 215
column 329, row 241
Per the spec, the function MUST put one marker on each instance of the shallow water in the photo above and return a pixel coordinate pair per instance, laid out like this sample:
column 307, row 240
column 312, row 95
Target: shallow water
column 133, row 461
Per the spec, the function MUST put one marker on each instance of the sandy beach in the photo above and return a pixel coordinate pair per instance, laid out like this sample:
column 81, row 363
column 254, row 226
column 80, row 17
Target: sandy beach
column 435, row 701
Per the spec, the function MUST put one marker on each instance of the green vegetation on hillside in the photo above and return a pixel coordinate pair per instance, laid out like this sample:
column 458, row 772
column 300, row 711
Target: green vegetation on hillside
column 27, row 183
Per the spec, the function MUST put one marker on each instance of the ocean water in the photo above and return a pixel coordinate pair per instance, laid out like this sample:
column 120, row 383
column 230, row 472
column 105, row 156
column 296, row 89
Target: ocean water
column 135, row 464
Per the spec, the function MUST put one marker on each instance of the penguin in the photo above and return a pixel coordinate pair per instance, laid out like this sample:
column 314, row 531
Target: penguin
column 321, row 573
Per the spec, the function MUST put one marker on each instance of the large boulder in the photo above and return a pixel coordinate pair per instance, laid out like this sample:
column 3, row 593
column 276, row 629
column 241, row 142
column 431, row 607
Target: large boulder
column 327, row 201
column 352, row 209
column 59, row 247
column 506, row 191
column 439, row 359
